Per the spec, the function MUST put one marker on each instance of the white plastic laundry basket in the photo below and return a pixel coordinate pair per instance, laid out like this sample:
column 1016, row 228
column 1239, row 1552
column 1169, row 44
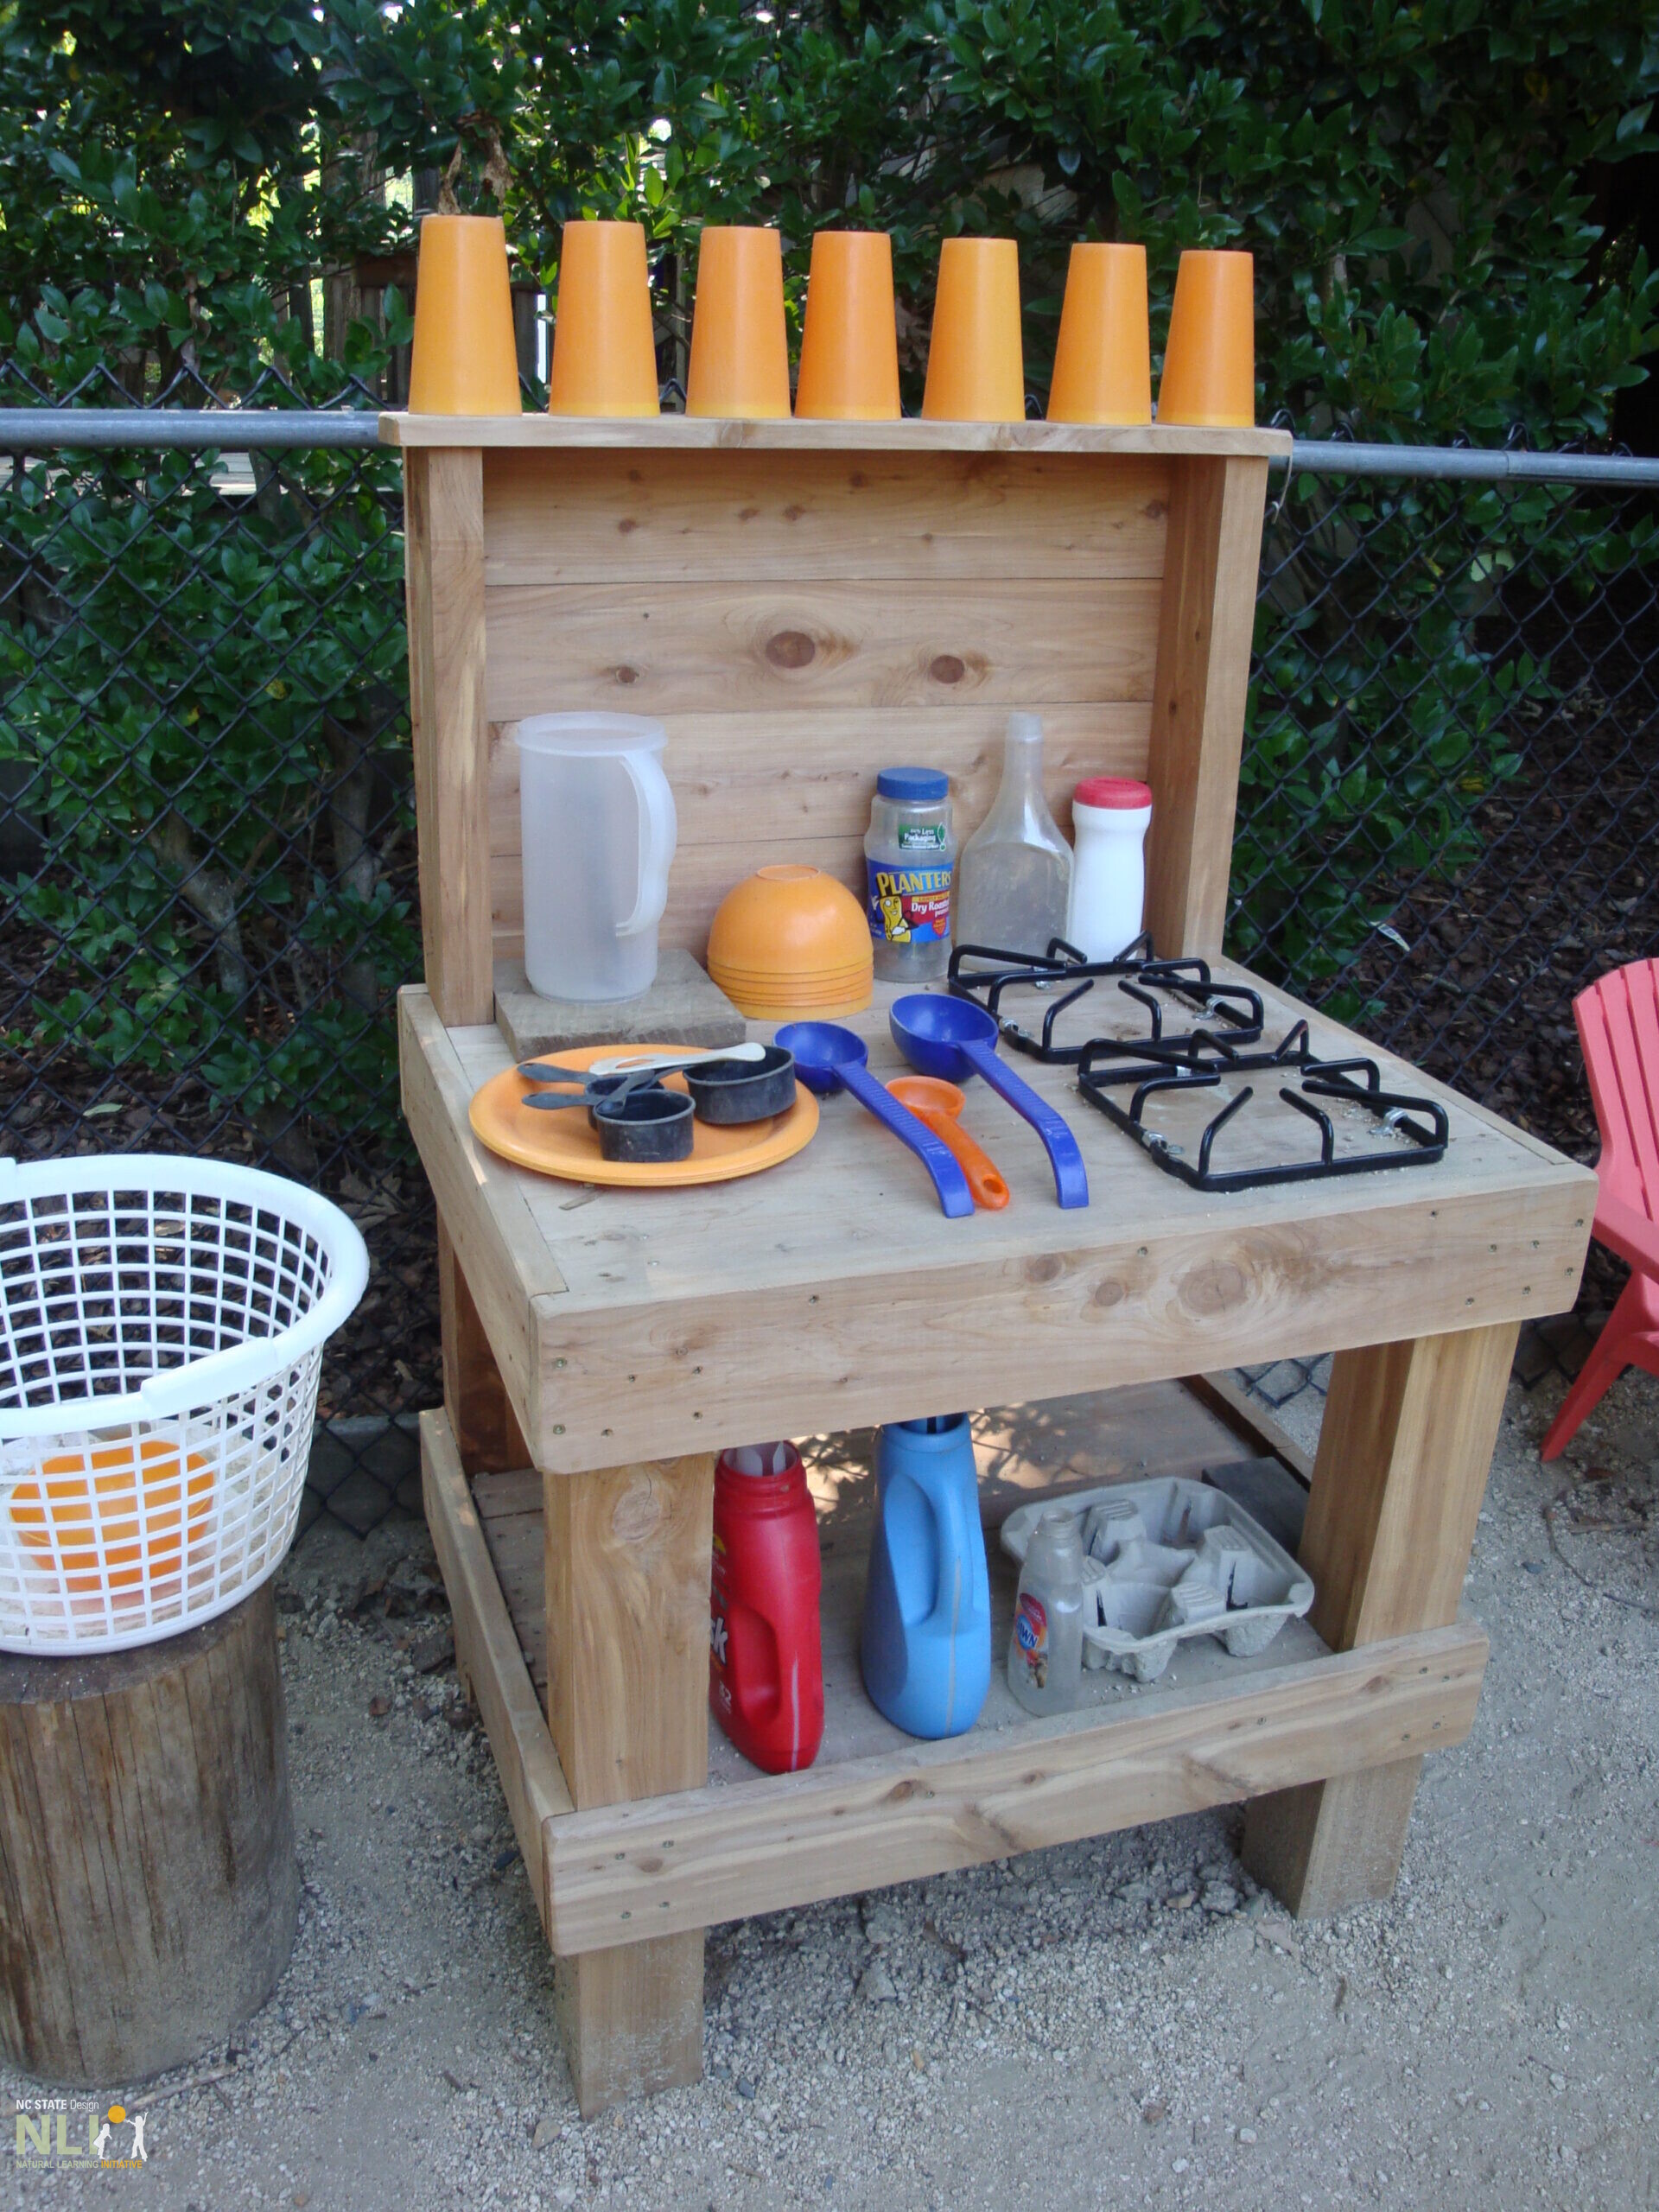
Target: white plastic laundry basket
column 161, row 1326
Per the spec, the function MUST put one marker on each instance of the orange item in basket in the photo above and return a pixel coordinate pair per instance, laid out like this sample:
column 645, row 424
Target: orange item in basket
column 93, row 1509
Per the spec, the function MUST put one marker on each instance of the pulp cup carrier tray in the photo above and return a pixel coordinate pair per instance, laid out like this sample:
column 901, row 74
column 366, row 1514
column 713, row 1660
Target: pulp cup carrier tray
column 1164, row 1561
column 161, row 1326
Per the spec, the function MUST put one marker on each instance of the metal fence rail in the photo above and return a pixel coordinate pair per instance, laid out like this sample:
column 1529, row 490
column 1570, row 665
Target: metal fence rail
column 1446, row 825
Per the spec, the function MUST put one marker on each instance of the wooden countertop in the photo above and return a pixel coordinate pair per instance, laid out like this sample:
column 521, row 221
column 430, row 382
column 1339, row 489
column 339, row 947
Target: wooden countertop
column 832, row 1290
column 689, row 432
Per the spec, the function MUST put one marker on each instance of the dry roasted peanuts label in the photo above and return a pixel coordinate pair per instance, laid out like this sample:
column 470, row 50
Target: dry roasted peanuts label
column 909, row 905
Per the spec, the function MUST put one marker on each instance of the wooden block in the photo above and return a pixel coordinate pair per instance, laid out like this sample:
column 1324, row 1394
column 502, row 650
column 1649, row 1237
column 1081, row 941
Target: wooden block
column 1404, row 1451
column 149, row 1889
column 443, row 555
column 1204, row 627
column 681, row 1007
column 631, row 2019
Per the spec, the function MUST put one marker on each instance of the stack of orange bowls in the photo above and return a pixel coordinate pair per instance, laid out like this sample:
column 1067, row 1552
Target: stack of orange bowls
column 790, row 944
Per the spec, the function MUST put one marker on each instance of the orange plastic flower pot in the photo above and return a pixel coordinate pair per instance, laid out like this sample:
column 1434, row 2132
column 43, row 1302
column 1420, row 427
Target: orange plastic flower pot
column 464, row 361
column 740, row 348
column 1208, row 379
column 604, row 354
column 849, row 346
column 975, row 366
column 116, row 1513
column 1103, row 363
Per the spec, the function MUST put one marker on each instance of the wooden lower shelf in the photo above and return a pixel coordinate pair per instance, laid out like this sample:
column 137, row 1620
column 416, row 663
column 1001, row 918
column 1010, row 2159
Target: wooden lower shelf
column 878, row 1806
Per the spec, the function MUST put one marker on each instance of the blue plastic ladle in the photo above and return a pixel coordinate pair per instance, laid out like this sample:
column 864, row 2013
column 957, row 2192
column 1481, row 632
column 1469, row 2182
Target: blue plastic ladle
column 955, row 1039
column 828, row 1058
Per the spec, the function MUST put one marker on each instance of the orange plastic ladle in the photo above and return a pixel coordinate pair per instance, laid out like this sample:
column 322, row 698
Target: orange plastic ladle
column 937, row 1104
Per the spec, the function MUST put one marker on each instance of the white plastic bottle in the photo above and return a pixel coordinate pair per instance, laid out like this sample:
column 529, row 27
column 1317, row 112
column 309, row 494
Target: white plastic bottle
column 1046, row 1649
column 1015, row 875
column 1109, row 818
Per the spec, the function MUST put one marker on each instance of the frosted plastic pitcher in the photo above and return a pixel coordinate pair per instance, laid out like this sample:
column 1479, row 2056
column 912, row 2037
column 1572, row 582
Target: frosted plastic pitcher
column 599, row 833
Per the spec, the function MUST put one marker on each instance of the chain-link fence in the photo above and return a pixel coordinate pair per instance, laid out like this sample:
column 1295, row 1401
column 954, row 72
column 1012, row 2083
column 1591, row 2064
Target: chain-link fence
column 1448, row 810
column 207, row 883
column 207, row 842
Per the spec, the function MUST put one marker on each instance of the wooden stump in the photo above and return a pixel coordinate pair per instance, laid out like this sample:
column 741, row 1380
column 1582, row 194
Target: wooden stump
column 148, row 1890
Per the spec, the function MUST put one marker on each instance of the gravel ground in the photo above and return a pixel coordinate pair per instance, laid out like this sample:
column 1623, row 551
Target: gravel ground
column 1120, row 2021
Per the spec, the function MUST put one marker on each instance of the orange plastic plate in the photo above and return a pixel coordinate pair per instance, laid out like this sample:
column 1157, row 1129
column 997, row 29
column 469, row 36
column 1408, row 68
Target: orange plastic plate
column 564, row 1145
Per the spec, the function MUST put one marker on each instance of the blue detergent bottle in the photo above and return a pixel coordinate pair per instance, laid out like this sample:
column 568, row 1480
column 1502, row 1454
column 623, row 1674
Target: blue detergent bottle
column 926, row 1644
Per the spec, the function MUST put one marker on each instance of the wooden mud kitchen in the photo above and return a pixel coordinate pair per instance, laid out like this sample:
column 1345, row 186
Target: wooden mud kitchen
column 801, row 603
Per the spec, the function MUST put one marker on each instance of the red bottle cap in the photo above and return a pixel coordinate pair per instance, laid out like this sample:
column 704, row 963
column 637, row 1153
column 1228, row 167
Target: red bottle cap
column 1112, row 791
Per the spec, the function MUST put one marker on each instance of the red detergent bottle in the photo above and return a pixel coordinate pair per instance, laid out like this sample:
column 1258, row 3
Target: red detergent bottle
column 766, row 1661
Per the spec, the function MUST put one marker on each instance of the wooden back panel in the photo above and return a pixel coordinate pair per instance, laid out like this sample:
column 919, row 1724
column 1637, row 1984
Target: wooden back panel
column 800, row 615
column 798, row 622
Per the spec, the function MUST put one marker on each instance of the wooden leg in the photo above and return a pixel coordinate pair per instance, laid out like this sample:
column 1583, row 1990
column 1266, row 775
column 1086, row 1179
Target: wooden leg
column 1332, row 1844
column 1403, row 1462
column 486, row 1431
column 628, row 1558
column 632, row 2018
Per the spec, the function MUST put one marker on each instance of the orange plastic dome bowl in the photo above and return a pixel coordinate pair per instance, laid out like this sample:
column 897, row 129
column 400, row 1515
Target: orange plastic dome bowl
column 115, row 1513
column 789, row 935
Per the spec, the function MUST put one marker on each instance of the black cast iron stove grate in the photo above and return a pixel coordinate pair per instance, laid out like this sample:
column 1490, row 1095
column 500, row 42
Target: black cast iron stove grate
column 1162, row 1067
column 1224, row 1041
column 987, row 974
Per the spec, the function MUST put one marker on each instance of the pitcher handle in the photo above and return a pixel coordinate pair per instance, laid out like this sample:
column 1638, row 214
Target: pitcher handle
column 955, row 1541
column 658, row 833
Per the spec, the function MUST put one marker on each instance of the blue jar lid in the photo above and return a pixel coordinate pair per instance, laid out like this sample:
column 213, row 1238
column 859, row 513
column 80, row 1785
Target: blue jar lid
column 921, row 786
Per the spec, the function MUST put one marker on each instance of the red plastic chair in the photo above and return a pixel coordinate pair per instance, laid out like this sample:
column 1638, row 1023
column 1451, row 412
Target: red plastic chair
column 1618, row 1028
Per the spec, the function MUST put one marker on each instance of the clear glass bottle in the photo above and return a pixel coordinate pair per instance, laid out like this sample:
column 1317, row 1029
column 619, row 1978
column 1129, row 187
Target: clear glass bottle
column 1014, row 879
column 1046, row 1648
column 910, row 856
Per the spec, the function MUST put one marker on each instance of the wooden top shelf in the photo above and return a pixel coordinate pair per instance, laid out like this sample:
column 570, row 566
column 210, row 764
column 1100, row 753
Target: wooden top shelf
column 831, row 1291
column 687, row 433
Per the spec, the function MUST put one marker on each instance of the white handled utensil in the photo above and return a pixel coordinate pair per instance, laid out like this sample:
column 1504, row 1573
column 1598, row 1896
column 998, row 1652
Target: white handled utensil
column 639, row 1063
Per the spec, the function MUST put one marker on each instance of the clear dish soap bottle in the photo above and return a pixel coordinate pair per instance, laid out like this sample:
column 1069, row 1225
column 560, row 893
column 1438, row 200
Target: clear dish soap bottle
column 1013, row 878
column 1046, row 1649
